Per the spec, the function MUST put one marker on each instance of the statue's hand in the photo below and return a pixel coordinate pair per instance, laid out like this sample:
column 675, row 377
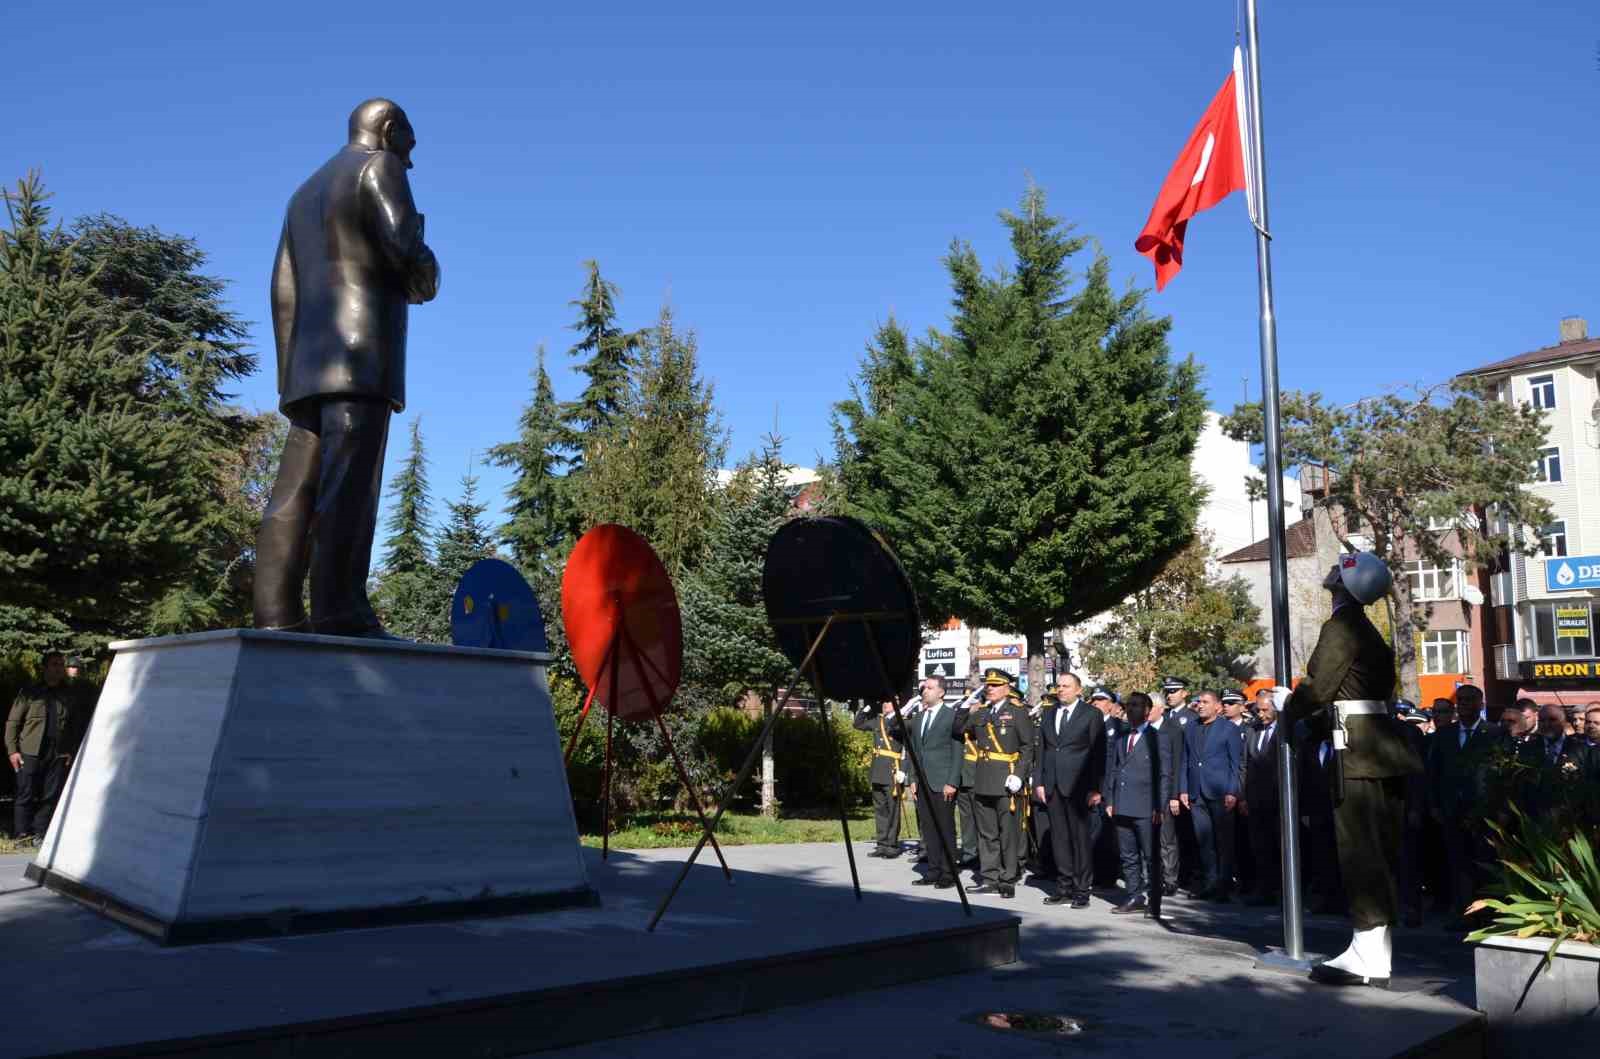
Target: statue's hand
column 422, row 285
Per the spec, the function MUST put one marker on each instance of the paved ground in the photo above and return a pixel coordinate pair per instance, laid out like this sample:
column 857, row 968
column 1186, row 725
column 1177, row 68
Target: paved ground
column 1185, row 987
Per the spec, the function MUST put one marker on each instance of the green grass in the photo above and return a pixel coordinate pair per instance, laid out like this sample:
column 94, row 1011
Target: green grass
column 11, row 845
column 667, row 830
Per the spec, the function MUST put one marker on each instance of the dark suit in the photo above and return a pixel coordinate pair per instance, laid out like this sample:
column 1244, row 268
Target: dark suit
column 1178, row 722
column 1353, row 662
column 929, row 735
column 1457, row 791
column 1072, row 761
column 1137, row 788
column 1103, row 842
column 1549, row 766
column 886, row 755
column 1262, row 804
column 1171, row 735
column 1212, row 754
column 350, row 259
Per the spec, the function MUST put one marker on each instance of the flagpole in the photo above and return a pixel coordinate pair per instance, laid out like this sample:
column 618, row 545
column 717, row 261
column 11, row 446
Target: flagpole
column 1293, row 956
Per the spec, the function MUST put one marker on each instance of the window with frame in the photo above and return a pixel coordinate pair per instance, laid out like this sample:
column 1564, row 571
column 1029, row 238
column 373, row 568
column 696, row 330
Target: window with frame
column 1553, row 539
column 1542, row 389
column 1549, row 466
column 1562, row 629
column 1430, row 582
column 1445, row 651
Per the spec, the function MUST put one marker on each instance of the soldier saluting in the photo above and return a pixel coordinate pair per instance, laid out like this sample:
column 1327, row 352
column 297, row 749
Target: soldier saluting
column 887, row 777
column 1345, row 699
column 1005, row 739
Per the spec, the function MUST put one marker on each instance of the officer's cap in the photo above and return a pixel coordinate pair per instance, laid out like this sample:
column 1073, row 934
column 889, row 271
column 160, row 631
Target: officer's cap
column 995, row 676
column 1049, row 699
column 1173, row 684
column 1103, row 693
column 1232, row 697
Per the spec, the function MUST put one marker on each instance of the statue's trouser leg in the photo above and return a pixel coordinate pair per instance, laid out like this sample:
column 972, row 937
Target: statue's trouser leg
column 282, row 543
column 345, row 516
column 1367, row 826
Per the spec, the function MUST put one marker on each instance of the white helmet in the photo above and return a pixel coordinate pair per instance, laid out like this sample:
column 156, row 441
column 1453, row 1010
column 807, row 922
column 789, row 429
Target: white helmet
column 1365, row 576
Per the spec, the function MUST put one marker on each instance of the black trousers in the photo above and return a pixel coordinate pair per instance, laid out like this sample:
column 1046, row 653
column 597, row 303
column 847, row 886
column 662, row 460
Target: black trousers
column 1466, row 851
column 968, row 846
column 321, row 518
column 39, row 784
column 1141, row 860
column 1266, row 844
column 1213, row 835
column 1321, row 860
column 1069, row 838
column 886, row 816
column 999, row 838
column 1169, row 847
column 936, row 816
column 1189, row 867
column 1044, row 864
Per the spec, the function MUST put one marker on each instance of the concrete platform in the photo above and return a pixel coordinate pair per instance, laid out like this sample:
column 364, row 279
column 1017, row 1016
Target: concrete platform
column 787, row 931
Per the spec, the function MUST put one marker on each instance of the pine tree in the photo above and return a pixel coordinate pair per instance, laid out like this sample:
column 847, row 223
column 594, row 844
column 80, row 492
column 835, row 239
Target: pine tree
column 607, row 353
column 465, row 538
column 535, row 532
column 1033, row 467
column 103, row 495
column 652, row 468
column 405, row 592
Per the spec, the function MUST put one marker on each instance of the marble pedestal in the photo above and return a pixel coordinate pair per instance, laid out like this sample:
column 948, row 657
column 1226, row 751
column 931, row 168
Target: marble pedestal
column 240, row 783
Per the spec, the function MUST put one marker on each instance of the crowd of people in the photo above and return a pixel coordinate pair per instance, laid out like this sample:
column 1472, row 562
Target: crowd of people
column 1170, row 794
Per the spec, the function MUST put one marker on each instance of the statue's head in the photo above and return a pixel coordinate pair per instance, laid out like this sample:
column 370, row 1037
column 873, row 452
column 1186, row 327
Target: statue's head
column 380, row 125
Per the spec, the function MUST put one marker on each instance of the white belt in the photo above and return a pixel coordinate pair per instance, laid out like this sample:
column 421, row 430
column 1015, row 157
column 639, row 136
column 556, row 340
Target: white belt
column 1360, row 707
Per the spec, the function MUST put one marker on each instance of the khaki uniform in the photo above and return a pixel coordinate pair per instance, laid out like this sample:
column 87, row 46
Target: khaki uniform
column 1005, row 741
column 887, row 754
column 1352, row 662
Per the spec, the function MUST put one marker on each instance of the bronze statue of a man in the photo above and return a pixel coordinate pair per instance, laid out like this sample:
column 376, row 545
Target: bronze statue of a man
column 350, row 261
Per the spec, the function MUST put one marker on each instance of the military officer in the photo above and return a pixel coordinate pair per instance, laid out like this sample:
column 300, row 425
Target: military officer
column 887, row 777
column 1004, row 738
column 1345, row 699
column 966, row 818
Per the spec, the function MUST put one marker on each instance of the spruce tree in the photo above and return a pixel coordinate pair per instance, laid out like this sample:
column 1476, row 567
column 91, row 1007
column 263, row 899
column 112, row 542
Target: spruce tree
column 536, row 529
column 405, row 592
column 607, row 353
column 652, row 467
column 464, row 540
column 103, row 495
column 1033, row 468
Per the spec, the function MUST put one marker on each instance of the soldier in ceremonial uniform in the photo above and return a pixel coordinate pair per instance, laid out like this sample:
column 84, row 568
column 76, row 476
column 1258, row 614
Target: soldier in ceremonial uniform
column 1004, row 738
column 966, row 818
column 888, row 778
column 1345, row 699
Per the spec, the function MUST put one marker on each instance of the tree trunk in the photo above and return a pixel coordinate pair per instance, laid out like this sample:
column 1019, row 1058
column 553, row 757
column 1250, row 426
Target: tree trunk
column 769, row 771
column 1405, row 640
column 974, row 667
column 1035, row 639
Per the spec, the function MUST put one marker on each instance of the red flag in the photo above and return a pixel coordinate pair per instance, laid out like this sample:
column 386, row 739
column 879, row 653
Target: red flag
column 1210, row 167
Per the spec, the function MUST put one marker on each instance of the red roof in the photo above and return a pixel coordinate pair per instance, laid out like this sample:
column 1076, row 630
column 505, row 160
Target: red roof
column 1299, row 541
column 1548, row 355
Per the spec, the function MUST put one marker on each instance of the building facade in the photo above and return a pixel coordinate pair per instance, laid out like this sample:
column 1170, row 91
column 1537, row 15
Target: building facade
column 1546, row 607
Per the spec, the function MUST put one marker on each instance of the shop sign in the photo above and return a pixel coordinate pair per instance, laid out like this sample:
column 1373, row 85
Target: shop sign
column 932, row 654
column 1572, row 573
column 1000, row 650
column 1573, row 622
column 1560, row 670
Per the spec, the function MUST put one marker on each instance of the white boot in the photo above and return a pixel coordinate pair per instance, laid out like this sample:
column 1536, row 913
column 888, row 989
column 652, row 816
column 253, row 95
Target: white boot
column 1366, row 962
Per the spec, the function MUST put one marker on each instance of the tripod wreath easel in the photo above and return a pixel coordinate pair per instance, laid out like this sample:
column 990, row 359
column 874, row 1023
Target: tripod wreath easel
column 833, row 592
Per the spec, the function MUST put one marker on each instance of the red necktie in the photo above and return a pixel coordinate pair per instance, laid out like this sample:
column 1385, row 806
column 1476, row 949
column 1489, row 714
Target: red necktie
column 1130, row 743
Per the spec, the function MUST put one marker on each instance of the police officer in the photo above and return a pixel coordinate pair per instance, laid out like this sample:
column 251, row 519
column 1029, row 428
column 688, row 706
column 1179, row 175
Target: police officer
column 1004, row 738
column 1345, row 699
column 1180, row 854
column 887, row 778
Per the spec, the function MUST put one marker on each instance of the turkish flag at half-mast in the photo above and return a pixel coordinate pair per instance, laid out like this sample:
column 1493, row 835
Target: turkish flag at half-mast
column 1211, row 166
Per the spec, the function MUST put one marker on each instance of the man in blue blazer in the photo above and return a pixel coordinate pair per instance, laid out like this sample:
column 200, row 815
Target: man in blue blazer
column 1136, row 785
column 1068, row 783
column 1210, row 789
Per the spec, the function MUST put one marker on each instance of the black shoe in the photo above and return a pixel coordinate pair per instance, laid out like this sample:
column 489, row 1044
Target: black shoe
column 1080, row 900
column 1130, row 906
column 983, row 888
column 922, row 882
column 1326, row 975
column 891, row 855
column 1169, row 890
column 945, row 884
column 1058, row 899
column 967, row 862
column 1007, row 890
column 875, row 853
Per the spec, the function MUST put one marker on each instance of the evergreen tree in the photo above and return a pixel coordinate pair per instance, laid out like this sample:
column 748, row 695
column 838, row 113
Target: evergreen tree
column 1031, row 466
column 405, row 592
column 1188, row 622
column 103, row 493
column 652, row 467
column 536, row 529
column 464, row 541
column 607, row 353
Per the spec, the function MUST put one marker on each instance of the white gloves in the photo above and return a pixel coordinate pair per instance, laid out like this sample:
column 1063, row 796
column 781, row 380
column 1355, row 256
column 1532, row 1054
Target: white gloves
column 1279, row 697
column 1013, row 784
column 899, row 777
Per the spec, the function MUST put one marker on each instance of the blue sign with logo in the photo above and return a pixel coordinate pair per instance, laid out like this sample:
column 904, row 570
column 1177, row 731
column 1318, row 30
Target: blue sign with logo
column 1571, row 573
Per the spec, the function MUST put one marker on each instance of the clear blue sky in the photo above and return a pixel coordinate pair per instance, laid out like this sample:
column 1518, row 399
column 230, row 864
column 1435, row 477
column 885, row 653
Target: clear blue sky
column 789, row 175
